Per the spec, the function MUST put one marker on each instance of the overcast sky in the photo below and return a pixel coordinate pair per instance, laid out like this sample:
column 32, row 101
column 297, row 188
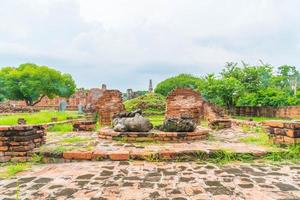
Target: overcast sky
column 124, row 43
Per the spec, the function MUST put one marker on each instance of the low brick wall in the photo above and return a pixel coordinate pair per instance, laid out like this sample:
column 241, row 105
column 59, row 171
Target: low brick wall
column 155, row 135
column 17, row 142
column 280, row 112
column 284, row 132
column 84, row 125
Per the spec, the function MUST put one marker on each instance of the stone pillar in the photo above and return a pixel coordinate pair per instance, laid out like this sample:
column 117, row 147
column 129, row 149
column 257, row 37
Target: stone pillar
column 150, row 88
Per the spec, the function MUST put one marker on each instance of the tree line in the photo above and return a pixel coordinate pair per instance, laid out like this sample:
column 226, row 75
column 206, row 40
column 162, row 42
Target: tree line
column 242, row 85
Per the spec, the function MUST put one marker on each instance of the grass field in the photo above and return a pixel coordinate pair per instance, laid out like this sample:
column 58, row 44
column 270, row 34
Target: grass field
column 257, row 119
column 36, row 118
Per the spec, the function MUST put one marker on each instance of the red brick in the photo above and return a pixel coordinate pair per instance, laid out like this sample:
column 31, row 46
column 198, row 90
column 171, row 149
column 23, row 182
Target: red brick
column 279, row 124
column 3, row 148
column 78, row 155
column 119, row 155
column 99, row 155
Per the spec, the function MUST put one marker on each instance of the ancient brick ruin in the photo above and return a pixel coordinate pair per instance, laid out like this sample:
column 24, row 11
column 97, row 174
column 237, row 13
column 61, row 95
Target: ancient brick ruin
column 81, row 96
column 154, row 135
column 88, row 125
column 17, row 142
column 108, row 104
column 184, row 101
column 280, row 112
column 284, row 132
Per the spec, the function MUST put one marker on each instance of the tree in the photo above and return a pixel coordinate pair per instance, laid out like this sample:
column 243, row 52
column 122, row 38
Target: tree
column 31, row 83
column 181, row 80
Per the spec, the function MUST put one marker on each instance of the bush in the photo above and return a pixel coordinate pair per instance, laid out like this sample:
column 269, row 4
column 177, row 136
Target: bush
column 182, row 80
column 150, row 104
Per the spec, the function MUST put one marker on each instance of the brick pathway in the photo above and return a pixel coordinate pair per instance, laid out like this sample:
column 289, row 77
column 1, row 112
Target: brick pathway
column 144, row 180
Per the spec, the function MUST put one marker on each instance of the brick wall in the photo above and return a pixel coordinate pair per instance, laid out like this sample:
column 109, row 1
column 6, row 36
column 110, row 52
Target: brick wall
column 184, row 101
column 17, row 142
column 83, row 97
column 281, row 112
column 284, row 132
column 109, row 104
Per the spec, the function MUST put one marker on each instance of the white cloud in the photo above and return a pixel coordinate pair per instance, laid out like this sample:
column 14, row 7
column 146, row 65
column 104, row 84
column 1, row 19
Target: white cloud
column 126, row 42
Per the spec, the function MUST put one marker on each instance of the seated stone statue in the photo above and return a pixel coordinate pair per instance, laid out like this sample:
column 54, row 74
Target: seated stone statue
column 179, row 124
column 131, row 122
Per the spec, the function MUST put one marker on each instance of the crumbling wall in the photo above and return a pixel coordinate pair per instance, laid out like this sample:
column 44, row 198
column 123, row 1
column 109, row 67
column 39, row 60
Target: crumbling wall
column 18, row 142
column 108, row 104
column 184, row 102
column 280, row 112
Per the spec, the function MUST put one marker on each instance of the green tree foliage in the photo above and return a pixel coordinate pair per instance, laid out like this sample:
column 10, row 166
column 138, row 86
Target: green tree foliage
column 150, row 103
column 244, row 85
column 31, row 83
column 181, row 80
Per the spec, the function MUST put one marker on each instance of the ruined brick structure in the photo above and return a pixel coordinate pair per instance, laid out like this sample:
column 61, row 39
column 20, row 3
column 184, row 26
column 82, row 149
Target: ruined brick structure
column 81, row 96
column 17, row 142
column 87, row 125
column 284, row 132
column 184, row 101
column 280, row 112
column 108, row 104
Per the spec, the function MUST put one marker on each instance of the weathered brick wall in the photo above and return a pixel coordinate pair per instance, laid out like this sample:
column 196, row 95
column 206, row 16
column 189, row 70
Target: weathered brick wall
column 17, row 142
column 287, row 132
column 281, row 112
column 184, row 102
column 6, row 108
column 81, row 96
column 88, row 125
column 108, row 104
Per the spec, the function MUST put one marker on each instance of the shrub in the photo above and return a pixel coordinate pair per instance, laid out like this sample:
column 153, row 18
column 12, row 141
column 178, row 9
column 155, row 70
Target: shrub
column 151, row 104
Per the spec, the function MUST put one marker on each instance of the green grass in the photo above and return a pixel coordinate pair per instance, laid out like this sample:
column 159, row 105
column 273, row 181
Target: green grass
column 261, row 137
column 75, row 139
column 156, row 119
column 37, row 118
column 292, row 154
column 62, row 128
column 256, row 119
column 14, row 168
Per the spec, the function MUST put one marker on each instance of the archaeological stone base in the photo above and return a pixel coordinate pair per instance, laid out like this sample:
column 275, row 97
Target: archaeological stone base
column 17, row 142
column 198, row 134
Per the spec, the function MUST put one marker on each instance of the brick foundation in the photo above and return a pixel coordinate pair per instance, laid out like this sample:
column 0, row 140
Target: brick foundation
column 199, row 134
column 109, row 103
column 84, row 125
column 17, row 142
column 283, row 132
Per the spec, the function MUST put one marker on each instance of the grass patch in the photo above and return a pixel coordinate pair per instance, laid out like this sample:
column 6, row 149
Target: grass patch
column 156, row 120
column 38, row 117
column 13, row 168
column 75, row 139
column 63, row 128
column 260, row 138
column 256, row 119
column 291, row 154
